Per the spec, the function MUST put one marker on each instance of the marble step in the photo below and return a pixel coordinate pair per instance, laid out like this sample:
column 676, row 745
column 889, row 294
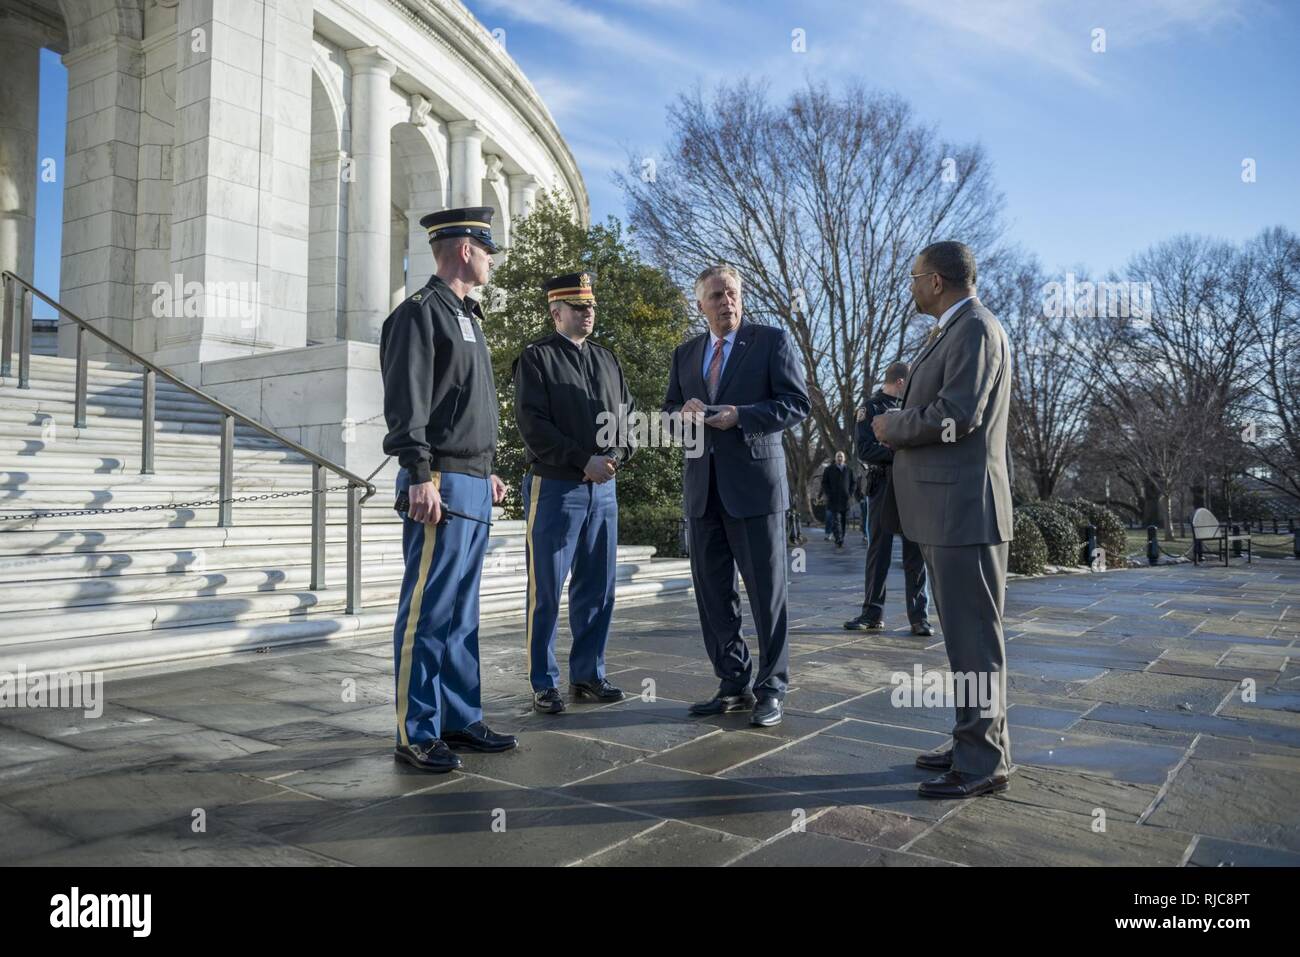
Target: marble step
column 183, row 483
column 503, row 569
column 60, row 457
column 119, row 397
column 51, row 450
column 47, row 542
column 63, row 408
column 180, row 610
column 61, row 374
column 267, row 557
column 28, row 424
column 267, row 512
column 106, row 652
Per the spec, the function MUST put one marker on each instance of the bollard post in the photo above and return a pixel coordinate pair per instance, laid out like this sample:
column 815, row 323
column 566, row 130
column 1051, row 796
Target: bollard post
column 1236, row 545
column 685, row 539
column 1090, row 547
column 1153, row 546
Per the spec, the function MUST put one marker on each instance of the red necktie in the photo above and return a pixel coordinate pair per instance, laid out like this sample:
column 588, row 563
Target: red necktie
column 715, row 370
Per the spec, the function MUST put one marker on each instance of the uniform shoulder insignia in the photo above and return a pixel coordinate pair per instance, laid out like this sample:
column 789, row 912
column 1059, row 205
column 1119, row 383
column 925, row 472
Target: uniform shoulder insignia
column 417, row 297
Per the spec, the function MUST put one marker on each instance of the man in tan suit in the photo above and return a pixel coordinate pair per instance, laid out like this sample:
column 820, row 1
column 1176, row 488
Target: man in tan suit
column 951, row 481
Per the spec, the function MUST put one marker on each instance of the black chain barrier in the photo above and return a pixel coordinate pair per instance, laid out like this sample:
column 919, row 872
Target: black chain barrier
column 177, row 506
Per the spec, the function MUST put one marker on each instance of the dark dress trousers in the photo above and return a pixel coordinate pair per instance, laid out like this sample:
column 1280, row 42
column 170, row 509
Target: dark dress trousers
column 735, row 499
column 883, row 525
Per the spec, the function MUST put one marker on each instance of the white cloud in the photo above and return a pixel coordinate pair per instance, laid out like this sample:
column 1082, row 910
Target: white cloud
column 1060, row 37
column 587, row 28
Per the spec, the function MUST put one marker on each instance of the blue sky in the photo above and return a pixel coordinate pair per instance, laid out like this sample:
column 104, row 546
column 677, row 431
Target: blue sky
column 1098, row 154
column 50, row 135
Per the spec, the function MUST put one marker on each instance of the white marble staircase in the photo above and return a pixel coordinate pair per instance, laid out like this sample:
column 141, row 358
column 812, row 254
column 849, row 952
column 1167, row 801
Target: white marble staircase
column 140, row 588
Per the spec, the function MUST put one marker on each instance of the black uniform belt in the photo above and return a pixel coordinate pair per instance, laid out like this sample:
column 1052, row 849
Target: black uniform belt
column 564, row 472
column 479, row 465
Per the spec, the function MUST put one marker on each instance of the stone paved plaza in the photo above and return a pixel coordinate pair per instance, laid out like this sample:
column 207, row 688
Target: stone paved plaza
column 1125, row 699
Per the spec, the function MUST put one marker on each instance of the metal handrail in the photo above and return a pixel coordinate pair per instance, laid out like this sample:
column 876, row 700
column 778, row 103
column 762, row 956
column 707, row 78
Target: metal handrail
column 16, row 288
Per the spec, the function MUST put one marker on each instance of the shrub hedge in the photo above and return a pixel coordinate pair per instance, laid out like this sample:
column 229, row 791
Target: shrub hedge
column 1059, row 533
column 1028, row 552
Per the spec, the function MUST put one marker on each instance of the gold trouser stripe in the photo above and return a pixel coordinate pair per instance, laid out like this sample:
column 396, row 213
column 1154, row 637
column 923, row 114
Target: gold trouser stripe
column 534, row 493
column 412, row 618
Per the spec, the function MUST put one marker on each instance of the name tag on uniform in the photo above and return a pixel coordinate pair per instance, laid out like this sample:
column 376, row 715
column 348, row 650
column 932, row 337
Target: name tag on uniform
column 466, row 327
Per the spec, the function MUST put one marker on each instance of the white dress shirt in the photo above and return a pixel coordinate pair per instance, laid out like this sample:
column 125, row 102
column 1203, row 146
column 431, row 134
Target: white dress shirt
column 948, row 313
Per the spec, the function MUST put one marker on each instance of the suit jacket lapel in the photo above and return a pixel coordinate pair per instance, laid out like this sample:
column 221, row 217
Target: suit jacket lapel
column 695, row 357
column 947, row 326
column 739, row 349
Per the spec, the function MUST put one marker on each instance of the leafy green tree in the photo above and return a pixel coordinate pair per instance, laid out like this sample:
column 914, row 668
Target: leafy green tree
column 640, row 316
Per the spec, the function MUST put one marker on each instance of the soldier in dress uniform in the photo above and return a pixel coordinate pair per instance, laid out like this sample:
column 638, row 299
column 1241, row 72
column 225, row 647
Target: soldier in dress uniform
column 571, row 403
column 440, row 405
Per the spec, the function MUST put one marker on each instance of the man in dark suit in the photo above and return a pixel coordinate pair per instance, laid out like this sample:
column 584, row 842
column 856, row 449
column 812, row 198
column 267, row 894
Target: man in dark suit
column 883, row 520
column 745, row 383
column 836, row 489
column 952, row 485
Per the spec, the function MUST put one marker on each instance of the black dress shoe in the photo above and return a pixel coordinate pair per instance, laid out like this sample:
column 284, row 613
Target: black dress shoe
column 767, row 712
column 432, row 756
column 724, row 704
column 864, row 623
column 479, row 737
column 954, row 784
column 548, row 701
column 935, row 762
column 600, row 689
column 923, row 628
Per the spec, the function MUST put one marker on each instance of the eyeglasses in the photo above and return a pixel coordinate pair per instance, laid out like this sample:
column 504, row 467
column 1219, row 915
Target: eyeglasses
column 918, row 275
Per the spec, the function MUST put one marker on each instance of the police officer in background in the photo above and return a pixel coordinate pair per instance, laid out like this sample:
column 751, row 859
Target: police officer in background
column 440, row 405
column 883, row 519
column 571, row 403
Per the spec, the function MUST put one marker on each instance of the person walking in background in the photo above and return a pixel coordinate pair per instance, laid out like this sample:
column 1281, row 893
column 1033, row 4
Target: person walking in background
column 837, row 484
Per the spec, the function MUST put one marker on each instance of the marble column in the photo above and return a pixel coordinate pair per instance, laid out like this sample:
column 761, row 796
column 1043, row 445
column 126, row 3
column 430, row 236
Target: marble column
column 369, row 195
column 467, row 167
column 100, row 189
column 419, row 255
column 523, row 194
column 240, row 197
column 20, row 52
column 397, row 260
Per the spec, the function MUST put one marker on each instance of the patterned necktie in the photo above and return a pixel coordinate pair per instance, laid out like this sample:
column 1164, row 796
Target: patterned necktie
column 715, row 370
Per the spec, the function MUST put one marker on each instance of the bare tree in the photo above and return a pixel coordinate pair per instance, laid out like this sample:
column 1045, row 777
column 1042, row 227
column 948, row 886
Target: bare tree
column 1272, row 425
column 1167, row 382
column 822, row 202
column 1049, row 388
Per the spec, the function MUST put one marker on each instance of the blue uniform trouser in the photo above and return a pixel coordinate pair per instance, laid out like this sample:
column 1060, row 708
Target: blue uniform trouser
column 435, row 637
column 571, row 526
